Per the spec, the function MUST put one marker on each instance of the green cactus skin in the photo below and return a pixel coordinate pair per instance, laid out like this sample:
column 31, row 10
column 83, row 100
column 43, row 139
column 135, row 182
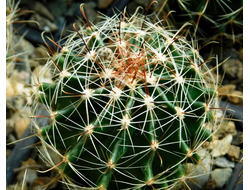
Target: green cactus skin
column 220, row 20
column 128, row 106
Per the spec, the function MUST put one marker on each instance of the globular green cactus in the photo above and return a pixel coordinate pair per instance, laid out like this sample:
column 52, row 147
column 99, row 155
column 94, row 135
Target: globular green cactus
column 220, row 20
column 128, row 104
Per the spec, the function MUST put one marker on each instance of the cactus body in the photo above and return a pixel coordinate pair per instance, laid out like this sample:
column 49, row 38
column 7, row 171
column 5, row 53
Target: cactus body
column 127, row 106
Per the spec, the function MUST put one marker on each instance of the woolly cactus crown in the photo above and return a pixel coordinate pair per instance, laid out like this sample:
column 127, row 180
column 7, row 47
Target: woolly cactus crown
column 128, row 104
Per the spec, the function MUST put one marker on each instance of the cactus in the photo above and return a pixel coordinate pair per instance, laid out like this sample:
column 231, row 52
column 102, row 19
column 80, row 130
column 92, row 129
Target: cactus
column 220, row 20
column 127, row 105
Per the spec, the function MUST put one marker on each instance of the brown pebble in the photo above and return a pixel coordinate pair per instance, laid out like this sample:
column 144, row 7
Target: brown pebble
column 235, row 97
column 10, row 92
column 233, row 152
column 233, row 68
column 21, row 126
column 226, row 89
column 41, row 55
column 210, row 185
column 41, row 182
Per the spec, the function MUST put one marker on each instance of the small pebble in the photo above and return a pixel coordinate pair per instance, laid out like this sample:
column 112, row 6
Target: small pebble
column 21, row 126
column 225, row 89
column 233, row 68
column 40, row 182
column 221, row 176
column 9, row 88
column 24, row 47
column 238, row 139
column 223, row 162
column 235, row 97
column 202, row 170
column 230, row 128
column 44, row 23
column 210, row 185
column 226, row 128
column 41, row 55
column 234, row 152
column 17, row 186
column 31, row 174
column 221, row 147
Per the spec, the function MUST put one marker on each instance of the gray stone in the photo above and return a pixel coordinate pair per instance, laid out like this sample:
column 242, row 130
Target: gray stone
column 202, row 171
column 238, row 139
column 221, row 176
column 223, row 163
column 221, row 147
column 23, row 47
column 44, row 23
